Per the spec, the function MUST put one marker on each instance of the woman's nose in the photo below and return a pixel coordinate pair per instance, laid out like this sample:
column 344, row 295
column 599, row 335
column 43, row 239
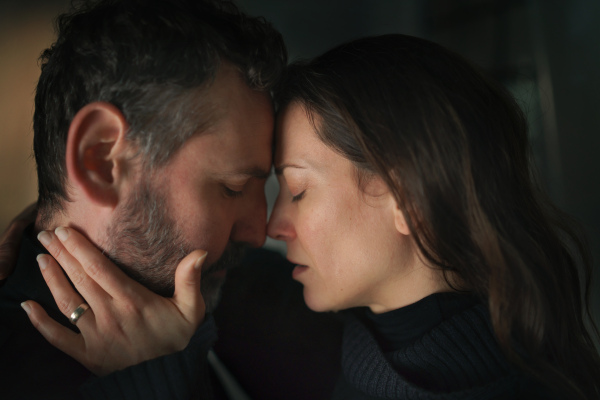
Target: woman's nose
column 280, row 225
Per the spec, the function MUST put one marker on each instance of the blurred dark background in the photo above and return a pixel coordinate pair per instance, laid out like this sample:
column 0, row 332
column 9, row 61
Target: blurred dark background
column 547, row 52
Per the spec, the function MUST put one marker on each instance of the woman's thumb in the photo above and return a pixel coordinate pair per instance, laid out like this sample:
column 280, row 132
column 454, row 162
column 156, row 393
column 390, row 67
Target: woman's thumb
column 187, row 296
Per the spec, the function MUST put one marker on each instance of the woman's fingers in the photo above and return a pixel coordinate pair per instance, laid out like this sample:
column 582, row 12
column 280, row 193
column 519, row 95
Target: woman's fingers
column 66, row 298
column 83, row 283
column 126, row 323
column 187, row 296
column 96, row 265
column 59, row 336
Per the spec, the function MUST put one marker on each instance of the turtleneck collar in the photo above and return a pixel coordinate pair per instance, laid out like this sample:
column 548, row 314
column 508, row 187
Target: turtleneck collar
column 395, row 329
column 457, row 359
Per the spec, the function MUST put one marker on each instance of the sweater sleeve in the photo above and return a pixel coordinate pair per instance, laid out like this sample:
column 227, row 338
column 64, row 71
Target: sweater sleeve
column 181, row 375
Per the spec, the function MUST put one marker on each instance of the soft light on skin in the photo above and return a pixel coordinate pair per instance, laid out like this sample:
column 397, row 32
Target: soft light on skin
column 233, row 155
column 352, row 243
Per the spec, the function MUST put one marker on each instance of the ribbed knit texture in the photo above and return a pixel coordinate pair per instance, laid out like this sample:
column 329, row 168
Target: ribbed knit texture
column 459, row 359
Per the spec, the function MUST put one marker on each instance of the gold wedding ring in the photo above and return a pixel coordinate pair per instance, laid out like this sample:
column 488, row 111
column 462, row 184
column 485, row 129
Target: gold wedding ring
column 79, row 311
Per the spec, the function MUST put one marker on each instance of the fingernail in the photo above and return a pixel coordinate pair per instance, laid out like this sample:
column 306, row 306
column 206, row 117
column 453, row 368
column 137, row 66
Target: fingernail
column 26, row 307
column 44, row 238
column 62, row 233
column 200, row 260
column 42, row 261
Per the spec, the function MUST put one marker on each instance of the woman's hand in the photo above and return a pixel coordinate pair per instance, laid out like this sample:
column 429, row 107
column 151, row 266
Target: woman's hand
column 125, row 323
column 10, row 239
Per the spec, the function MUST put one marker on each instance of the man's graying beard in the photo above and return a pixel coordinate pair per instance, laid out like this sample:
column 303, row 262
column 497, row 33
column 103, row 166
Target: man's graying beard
column 147, row 245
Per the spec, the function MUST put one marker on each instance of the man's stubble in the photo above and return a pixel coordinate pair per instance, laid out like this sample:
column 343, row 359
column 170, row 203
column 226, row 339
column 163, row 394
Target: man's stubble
column 147, row 245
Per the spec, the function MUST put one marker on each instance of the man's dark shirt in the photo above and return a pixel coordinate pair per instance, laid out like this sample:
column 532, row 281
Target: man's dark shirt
column 30, row 368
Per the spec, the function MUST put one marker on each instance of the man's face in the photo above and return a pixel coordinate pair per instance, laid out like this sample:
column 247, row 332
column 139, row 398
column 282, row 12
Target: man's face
column 209, row 196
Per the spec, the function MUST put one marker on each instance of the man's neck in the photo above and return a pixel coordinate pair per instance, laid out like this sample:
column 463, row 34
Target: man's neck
column 90, row 222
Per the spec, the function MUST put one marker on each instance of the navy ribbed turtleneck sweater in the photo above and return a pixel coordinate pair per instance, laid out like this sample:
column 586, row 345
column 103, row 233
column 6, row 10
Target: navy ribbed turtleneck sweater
column 442, row 347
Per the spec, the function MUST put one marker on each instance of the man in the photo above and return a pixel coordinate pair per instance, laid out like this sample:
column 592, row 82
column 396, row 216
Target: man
column 153, row 129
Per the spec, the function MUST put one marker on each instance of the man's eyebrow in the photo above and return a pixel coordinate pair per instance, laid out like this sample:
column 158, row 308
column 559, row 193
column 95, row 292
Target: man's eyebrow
column 252, row 172
column 279, row 170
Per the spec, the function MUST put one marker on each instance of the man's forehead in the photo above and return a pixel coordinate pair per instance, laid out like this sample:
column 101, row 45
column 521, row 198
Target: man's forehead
column 238, row 141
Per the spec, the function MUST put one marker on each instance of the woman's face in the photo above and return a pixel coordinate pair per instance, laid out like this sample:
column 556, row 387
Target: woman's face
column 351, row 245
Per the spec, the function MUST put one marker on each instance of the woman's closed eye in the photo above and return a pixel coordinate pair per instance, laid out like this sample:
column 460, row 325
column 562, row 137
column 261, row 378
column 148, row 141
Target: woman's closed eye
column 298, row 197
column 293, row 183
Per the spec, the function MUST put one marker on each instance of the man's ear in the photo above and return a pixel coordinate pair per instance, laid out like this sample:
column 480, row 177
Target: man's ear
column 96, row 154
column 400, row 221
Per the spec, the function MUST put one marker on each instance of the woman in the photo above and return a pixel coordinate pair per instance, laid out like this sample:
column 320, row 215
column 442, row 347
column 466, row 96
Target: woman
column 406, row 188
column 407, row 199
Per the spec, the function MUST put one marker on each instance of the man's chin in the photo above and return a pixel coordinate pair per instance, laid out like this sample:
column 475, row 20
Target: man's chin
column 214, row 276
column 211, row 289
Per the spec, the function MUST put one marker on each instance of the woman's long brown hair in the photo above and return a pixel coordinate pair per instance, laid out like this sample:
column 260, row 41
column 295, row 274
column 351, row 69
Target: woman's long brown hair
column 452, row 146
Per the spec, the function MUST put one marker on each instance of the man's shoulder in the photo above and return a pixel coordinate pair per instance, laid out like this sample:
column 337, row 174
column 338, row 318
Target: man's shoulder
column 25, row 356
column 24, row 283
column 27, row 283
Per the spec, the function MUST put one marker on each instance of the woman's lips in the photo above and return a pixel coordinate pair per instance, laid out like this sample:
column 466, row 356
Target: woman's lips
column 298, row 270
